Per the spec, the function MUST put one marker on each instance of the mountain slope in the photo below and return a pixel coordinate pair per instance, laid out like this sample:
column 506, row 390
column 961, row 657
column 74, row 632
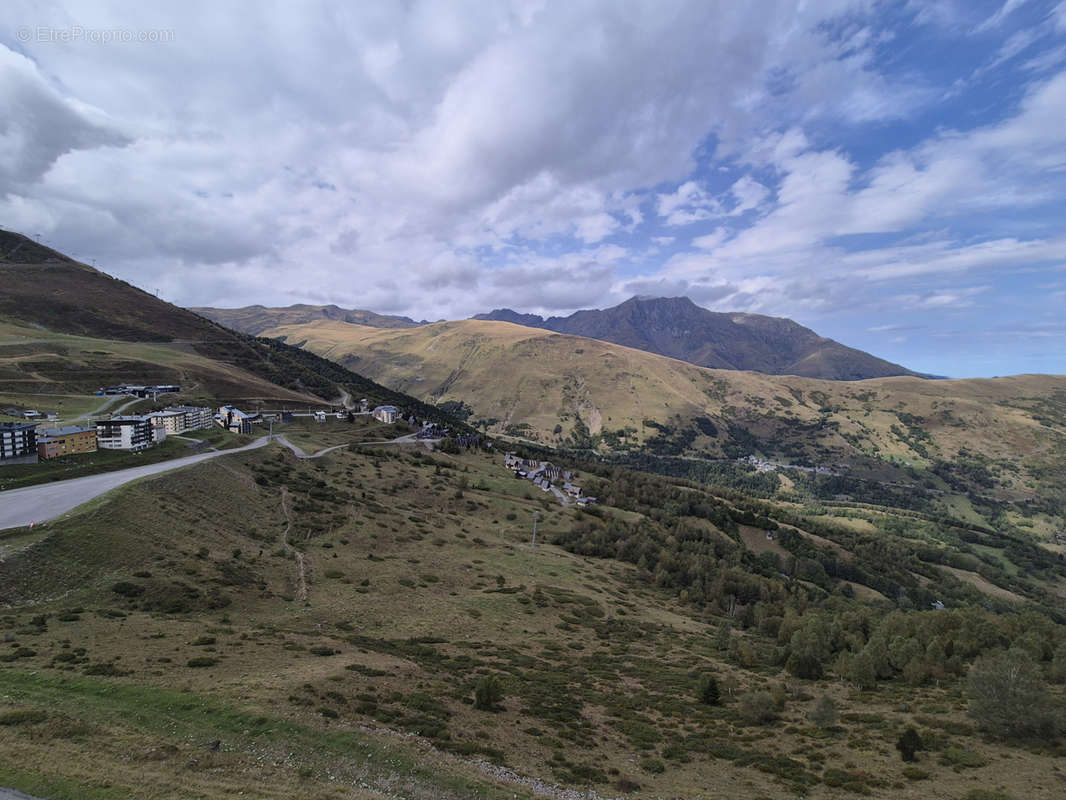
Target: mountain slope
column 256, row 319
column 569, row 391
column 677, row 327
column 69, row 327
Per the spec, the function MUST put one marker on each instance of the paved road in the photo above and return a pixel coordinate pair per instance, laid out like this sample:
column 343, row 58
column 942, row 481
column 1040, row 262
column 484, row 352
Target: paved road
column 19, row 507
column 14, row 794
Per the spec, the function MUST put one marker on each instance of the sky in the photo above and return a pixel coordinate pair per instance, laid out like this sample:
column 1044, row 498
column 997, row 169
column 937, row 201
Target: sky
column 891, row 174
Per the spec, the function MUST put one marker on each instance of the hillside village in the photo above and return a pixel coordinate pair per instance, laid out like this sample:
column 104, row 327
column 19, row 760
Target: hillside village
column 545, row 476
column 31, row 441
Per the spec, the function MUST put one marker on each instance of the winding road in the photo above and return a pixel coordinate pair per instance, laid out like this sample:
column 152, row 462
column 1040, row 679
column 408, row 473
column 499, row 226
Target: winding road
column 33, row 504
column 45, row 502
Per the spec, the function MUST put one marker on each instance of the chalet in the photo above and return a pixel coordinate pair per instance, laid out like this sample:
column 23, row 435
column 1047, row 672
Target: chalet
column 236, row 421
column 18, row 442
column 126, row 433
column 386, row 414
column 58, row 442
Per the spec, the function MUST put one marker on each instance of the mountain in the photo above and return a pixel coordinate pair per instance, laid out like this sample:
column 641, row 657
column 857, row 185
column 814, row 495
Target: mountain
column 568, row 391
column 256, row 319
column 677, row 327
column 67, row 327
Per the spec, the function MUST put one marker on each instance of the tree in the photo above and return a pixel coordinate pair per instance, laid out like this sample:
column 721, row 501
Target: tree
column 824, row 714
column 908, row 744
column 709, row 692
column 488, row 692
column 721, row 638
column 862, row 672
column 1008, row 695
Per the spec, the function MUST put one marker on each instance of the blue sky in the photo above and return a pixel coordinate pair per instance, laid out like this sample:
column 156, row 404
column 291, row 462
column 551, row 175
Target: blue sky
column 892, row 174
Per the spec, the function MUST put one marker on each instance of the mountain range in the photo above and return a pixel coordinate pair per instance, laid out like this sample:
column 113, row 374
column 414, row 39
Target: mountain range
column 668, row 326
column 678, row 328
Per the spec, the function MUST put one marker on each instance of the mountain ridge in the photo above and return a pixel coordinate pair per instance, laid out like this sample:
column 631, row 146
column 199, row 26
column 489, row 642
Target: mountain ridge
column 255, row 319
column 678, row 328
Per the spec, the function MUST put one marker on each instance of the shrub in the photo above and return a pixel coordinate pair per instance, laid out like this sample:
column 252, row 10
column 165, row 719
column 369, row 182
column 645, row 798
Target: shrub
column 488, row 692
column 127, row 589
column 915, row 774
column 323, row 651
column 653, row 765
column 22, row 716
column 201, row 661
column 824, row 714
column 961, row 757
column 757, row 708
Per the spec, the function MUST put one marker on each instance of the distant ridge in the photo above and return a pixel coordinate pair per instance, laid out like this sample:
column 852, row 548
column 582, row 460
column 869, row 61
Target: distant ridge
column 256, row 319
column 677, row 327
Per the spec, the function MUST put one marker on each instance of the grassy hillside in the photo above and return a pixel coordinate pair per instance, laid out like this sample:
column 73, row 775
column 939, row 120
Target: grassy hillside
column 256, row 319
column 66, row 327
column 320, row 628
column 42, row 363
column 1004, row 437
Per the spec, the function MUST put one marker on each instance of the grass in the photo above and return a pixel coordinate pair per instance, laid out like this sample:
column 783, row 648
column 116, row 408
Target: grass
column 412, row 595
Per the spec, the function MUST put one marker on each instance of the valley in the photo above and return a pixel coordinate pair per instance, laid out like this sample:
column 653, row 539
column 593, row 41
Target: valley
column 785, row 586
column 1003, row 437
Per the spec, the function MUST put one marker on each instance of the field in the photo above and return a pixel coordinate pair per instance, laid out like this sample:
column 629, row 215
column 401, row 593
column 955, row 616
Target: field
column 317, row 628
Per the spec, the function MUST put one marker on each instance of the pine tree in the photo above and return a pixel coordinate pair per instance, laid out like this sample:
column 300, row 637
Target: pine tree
column 709, row 692
column 908, row 744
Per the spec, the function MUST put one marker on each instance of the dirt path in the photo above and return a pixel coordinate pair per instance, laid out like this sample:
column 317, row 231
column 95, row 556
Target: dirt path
column 299, row 452
column 301, row 586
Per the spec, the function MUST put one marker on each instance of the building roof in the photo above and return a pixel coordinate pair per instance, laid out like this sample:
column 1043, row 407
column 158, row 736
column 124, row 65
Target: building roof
column 65, row 431
column 123, row 420
column 17, row 426
column 394, row 409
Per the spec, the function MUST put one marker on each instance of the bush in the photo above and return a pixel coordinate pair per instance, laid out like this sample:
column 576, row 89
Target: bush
column 915, row 774
column 22, row 716
column 757, row 708
column 488, row 692
column 961, row 757
column 824, row 714
column 201, row 661
column 127, row 589
column 653, row 765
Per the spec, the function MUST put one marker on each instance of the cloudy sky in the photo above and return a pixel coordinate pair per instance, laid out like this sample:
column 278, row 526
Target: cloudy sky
column 892, row 174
